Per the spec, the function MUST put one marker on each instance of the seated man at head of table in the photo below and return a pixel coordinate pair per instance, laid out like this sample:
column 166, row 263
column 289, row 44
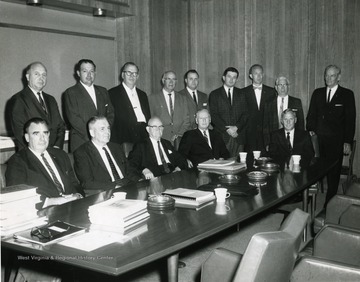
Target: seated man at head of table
column 155, row 156
column 202, row 144
column 47, row 168
column 100, row 164
column 289, row 141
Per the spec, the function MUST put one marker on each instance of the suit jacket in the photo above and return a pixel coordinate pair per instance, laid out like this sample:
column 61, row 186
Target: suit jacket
column 223, row 114
column 79, row 108
column 25, row 106
column 126, row 127
column 25, row 168
column 272, row 122
column 302, row 145
column 91, row 170
column 143, row 156
column 194, row 146
column 192, row 106
column 335, row 119
column 181, row 120
column 254, row 132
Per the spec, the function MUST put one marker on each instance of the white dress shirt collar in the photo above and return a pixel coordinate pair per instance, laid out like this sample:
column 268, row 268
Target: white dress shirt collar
column 91, row 91
column 156, row 149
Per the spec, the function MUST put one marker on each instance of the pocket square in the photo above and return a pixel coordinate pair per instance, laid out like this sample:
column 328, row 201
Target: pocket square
column 294, row 110
column 204, row 104
column 338, row 105
column 169, row 151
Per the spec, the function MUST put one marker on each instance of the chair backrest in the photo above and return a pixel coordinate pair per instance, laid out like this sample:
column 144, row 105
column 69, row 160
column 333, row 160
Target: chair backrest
column 270, row 256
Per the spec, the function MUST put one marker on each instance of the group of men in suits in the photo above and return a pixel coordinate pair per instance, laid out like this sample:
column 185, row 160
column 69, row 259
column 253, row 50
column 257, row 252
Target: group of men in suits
column 232, row 120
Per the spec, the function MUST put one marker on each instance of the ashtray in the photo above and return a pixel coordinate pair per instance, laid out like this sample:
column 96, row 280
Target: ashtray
column 262, row 160
column 229, row 178
column 160, row 202
column 257, row 176
column 270, row 167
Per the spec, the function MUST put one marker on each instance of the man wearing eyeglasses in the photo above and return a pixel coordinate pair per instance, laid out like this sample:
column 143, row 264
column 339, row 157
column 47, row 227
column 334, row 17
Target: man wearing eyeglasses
column 155, row 156
column 131, row 105
column 84, row 100
column 172, row 108
column 274, row 109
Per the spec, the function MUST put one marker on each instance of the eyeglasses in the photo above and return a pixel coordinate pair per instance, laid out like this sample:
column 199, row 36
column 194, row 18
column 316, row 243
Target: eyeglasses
column 130, row 73
column 160, row 127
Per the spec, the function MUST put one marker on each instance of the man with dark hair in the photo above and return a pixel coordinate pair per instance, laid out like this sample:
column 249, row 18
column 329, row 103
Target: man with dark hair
column 49, row 169
column 257, row 96
column 196, row 99
column 229, row 112
column 332, row 117
column 100, row 164
column 84, row 100
column 131, row 105
column 32, row 102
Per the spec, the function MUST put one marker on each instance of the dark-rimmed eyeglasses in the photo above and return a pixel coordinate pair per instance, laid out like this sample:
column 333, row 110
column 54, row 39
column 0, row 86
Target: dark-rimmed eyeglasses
column 130, row 73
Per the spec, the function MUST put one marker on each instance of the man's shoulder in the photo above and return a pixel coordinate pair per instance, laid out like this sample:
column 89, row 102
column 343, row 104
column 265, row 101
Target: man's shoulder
column 345, row 90
column 57, row 152
column 100, row 89
column 217, row 91
column 75, row 88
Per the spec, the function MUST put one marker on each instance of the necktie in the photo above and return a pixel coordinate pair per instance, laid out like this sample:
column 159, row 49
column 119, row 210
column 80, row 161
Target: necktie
column 280, row 111
column 164, row 163
column 53, row 175
column 171, row 107
column 112, row 165
column 229, row 96
column 42, row 103
column 328, row 98
column 206, row 137
column 288, row 141
column 194, row 97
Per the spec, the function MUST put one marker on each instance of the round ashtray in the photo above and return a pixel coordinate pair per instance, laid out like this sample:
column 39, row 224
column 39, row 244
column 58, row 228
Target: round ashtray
column 160, row 202
column 257, row 176
column 262, row 160
column 229, row 178
column 270, row 167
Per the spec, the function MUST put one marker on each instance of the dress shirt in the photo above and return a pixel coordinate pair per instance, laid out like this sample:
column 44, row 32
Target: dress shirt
column 134, row 99
column 333, row 90
column 286, row 103
column 231, row 92
column 37, row 96
column 157, row 154
column 191, row 93
column 207, row 134
column 106, row 162
column 51, row 163
column 166, row 95
column 258, row 95
column 291, row 137
column 91, row 91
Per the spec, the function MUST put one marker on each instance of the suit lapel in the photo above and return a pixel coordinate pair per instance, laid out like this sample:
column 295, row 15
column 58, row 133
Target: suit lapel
column 87, row 101
column 202, row 138
column 33, row 104
column 150, row 149
column 163, row 103
column 94, row 151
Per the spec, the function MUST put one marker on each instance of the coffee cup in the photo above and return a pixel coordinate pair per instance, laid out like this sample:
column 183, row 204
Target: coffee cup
column 119, row 195
column 296, row 159
column 221, row 194
column 256, row 154
column 243, row 157
column 221, row 208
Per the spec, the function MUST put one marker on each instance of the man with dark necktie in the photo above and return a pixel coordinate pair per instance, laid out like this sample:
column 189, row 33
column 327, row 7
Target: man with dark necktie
column 100, row 164
column 196, row 99
column 155, row 156
column 201, row 144
column 47, row 168
column 32, row 102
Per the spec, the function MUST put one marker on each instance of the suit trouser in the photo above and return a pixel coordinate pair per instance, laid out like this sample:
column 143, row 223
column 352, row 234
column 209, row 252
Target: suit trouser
column 331, row 150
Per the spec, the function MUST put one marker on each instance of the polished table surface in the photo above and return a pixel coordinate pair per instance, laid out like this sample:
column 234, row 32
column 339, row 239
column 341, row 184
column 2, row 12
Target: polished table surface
column 169, row 232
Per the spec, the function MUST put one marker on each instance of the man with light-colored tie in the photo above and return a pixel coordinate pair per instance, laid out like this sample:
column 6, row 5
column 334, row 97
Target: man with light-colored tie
column 196, row 99
column 201, row 144
column 47, row 168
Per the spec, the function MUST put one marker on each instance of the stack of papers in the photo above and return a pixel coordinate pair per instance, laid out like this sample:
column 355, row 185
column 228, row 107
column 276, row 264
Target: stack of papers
column 18, row 205
column 222, row 166
column 189, row 197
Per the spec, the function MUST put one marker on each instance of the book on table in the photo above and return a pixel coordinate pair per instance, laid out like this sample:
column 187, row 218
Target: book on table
column 49, row 233
column 222, row 166
column 189, row 197
column 216, row 163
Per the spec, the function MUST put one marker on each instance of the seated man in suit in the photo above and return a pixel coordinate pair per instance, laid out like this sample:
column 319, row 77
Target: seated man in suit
column 47, row 168
column 202, row 144
column 289, row 141
column 155, row 156
column 100, row 164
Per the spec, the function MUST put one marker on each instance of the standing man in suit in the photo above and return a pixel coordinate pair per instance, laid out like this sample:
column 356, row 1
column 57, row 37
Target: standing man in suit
column 274, row 109
column 132, row 110
column 257, row 96
column 289, row 140
column 229, row 112
column 84, row 100
column 47, row 168
column 196, row 99
column 155, row 156
column 332, row 117
column 32, row 102
column 171, row 108
column 202, row 144
column 100, row 164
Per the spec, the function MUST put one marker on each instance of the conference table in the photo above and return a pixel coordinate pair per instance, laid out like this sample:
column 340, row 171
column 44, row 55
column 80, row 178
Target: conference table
column 166, row 233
